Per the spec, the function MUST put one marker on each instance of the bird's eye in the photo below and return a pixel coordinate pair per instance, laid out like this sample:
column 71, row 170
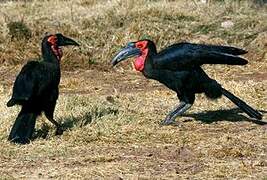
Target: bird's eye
column 52, row 40
column 140, row 46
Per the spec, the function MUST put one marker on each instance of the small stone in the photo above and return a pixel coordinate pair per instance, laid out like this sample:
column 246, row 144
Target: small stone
column 227, row 24
column 204, row 1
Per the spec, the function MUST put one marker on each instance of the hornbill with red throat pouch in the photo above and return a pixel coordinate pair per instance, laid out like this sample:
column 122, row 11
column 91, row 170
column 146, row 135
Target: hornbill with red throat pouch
column 36, row 89
column 179, row 68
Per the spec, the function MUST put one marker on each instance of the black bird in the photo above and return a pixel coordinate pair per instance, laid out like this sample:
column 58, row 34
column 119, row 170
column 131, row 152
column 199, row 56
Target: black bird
column 36, row 89
column 179, row 68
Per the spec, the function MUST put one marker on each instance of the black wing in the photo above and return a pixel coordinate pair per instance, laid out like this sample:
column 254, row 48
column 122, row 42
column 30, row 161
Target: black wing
column 186, row 55
column 32, row 81
column 24, row 84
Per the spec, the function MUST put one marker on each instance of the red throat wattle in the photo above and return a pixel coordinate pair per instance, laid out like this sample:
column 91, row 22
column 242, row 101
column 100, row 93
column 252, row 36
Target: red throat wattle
column 56, row 50
column 139, row 63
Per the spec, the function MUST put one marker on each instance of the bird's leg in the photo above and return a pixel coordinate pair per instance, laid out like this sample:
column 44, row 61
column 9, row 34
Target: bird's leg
column 177, row 111
column 54, row 122
column 49, row 113
column 177, row 107
column 181, row 111
column 59, row 130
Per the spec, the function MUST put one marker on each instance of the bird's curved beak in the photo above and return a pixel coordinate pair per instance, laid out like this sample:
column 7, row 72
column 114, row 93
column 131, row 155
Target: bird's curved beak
column 65, row 41
column 129, row 51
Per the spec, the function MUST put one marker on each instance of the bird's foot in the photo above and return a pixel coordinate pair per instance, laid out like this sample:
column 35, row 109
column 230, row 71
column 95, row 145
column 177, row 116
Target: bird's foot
column 59, row 131
column 167, row 122
column 19, row 140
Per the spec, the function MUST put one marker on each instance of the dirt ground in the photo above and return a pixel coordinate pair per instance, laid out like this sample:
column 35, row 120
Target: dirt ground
column 209, row 143
column 105, row 81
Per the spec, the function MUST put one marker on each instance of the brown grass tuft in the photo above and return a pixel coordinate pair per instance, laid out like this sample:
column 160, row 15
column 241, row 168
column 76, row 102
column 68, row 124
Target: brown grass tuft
column 103, row 27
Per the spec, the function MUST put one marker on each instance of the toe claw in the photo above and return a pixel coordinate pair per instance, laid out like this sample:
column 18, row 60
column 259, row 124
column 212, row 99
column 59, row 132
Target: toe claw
column 167, row 122
column 59, row 131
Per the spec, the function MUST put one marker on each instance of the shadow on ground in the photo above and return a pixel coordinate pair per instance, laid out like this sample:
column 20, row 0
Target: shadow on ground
column 71, row 121
column 232, row 115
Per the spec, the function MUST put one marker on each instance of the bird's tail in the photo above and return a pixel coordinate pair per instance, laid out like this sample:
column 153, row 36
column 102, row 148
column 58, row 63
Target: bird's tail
column 23, row 128
column 242, row 105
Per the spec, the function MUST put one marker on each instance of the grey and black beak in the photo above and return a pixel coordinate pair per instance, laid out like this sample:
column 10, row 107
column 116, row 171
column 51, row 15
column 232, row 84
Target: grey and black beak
column 129, row 51
column 65, row 41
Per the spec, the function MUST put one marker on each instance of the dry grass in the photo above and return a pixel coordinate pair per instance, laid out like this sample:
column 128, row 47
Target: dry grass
column 112, row 117
column 102, row 27
column 115, row 135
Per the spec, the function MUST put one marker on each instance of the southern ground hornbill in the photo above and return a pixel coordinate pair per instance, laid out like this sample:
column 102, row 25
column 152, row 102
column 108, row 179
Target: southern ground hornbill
column 36, row 89
column 178, row 67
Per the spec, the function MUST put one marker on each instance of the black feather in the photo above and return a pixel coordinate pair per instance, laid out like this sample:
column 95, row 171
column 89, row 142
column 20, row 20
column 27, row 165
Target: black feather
column 242, row 105
column 23, row 128
column 186, row 55
column 221, row 49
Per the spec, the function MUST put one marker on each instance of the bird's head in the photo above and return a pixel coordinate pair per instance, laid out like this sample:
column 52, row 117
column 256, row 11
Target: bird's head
column 139, row 49
column 55, row 41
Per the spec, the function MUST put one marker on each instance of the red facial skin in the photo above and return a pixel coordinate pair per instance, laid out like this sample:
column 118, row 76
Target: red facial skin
column 56, row 50
column 139, row 62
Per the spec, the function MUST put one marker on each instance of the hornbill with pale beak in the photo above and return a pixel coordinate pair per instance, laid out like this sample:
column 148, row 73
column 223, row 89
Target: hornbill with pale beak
column 179, row 68
column 36, row 89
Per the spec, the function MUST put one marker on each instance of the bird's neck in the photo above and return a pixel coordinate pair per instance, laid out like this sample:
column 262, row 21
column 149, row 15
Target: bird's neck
column 151, row 55
column 149, row 70
column 50, row 55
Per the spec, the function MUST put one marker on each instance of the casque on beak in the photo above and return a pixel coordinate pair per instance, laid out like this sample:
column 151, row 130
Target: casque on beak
column 129, row 51
column 65, row 41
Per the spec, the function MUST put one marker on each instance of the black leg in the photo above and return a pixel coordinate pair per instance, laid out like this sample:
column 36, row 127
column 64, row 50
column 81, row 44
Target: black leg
column 172, row 112
column 177, row 111
column 181, row 111
column 59, row 130
column 49, row 113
